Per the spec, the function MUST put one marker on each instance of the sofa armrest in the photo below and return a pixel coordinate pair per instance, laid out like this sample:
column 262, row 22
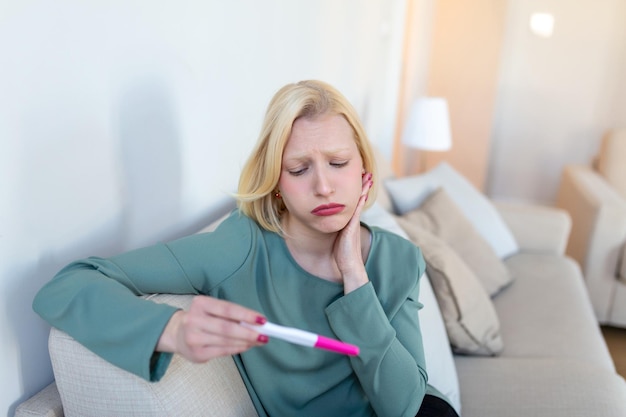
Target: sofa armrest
column 46, row 403
column 91, row 387
column 598, row 212
column 598, row 233
column 536, row 228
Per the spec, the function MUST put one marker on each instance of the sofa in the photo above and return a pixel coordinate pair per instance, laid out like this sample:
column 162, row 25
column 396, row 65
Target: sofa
column 520, row 341
column 594, row 195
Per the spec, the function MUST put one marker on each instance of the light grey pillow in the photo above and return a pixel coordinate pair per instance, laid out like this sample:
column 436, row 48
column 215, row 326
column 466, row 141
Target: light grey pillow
column 441, row 216
column 468, row 313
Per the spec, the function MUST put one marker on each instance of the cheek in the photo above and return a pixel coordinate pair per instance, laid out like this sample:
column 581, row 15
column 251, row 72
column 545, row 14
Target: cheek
column 287, row 186
column 358, row 177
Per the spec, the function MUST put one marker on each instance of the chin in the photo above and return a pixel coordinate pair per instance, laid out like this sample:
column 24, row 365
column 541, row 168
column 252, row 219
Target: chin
column 332, row 224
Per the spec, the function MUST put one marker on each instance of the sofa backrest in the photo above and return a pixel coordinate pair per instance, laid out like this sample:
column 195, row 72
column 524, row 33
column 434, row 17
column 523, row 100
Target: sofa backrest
column 611, row 160
column 91, row 387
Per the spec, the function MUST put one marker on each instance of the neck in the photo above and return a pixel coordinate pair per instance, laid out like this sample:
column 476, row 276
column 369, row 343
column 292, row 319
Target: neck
column 313, row 252
column 309, row 241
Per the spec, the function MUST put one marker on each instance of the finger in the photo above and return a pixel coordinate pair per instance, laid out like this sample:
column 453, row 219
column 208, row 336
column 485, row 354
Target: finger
column 367, row 177
column 212, row 316
column 202, row 352
column 216, row 335
column 208, row 329
column 367, row 186
column 356, row 216
column 367, row 183
column 227, row 310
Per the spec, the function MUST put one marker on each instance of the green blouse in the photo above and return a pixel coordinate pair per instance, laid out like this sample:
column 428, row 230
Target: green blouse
column 243, row 263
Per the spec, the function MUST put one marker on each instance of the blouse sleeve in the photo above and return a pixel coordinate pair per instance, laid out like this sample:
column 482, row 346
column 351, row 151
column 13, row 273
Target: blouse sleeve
column 96, row 301
column 382, row 318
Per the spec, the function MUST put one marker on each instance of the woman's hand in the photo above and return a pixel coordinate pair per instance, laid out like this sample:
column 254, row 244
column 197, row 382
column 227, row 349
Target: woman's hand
column 347, row 249
column 211, row 329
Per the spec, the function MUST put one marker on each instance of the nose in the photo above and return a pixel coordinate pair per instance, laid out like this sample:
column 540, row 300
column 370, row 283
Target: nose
column 323, row 183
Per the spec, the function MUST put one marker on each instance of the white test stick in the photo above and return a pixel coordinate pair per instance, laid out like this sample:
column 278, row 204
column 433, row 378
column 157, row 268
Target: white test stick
column 304, row 338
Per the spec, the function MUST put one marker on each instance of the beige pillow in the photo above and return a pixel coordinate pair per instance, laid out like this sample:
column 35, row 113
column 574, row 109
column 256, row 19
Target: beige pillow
column 468, row 313
column 442, row 217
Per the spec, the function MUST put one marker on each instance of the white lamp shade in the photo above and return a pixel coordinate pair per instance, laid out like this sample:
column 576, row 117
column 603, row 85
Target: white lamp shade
column 428, row 125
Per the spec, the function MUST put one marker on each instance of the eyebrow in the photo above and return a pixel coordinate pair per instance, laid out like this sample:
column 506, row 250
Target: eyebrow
column 305, row 156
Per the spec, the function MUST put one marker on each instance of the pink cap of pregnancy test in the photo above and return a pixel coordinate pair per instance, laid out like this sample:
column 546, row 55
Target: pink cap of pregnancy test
column 336, row 346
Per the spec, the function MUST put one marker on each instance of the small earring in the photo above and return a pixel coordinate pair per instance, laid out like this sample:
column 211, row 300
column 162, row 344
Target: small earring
column 277, row 194
column 362, row 173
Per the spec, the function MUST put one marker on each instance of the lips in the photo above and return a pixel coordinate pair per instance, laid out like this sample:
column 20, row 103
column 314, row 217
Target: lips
column 327, row 209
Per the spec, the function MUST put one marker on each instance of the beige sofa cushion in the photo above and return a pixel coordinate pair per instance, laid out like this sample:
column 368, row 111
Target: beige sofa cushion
column 91, row 387
column 546, row 312
column 441, row 216
column 555, row 387
column 468, row 313
column 611, row 161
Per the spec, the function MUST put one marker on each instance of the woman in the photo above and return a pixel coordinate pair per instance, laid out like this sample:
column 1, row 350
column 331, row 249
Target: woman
column 294, row 253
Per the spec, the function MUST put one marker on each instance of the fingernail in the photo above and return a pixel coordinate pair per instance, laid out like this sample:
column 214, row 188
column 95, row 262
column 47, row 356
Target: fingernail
column 263, row 338
column 260, row 320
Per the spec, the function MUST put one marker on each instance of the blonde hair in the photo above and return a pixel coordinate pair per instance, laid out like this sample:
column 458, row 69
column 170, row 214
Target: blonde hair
column 259, row 177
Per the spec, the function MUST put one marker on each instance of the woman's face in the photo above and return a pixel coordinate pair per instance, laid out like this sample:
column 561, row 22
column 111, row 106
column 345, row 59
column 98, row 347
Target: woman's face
column 320, row 181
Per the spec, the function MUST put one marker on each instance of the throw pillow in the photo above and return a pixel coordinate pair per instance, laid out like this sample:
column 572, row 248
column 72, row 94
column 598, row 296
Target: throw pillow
column 470, row 318
column 442, row 217
column 439, row 361
column 408, row 193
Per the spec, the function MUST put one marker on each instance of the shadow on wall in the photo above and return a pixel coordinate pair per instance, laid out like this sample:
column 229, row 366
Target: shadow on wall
column 150, row 179
column 31, row 333
column 149, row 141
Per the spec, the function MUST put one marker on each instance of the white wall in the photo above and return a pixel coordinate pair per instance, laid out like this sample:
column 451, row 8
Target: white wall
column 557, row 96
column 126, row 122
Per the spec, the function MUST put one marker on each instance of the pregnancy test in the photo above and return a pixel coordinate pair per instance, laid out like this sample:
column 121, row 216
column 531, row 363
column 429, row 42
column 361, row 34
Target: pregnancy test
column 304, row 338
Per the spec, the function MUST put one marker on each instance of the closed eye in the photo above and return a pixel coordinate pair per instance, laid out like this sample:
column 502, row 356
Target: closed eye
column 297, row 172
column 300, row 171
